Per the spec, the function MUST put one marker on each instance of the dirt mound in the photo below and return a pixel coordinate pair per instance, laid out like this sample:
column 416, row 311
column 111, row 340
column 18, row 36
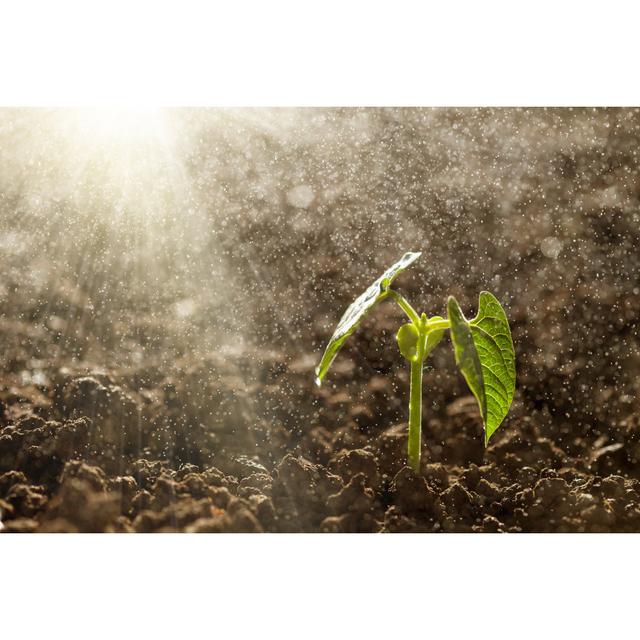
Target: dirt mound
column 67, row 476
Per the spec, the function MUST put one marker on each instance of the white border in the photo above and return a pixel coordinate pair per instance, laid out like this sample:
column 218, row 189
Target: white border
column 319, row 587
column 334, row 52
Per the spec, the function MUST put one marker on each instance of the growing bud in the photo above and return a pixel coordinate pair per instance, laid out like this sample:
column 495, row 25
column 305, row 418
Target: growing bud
column 407, row 338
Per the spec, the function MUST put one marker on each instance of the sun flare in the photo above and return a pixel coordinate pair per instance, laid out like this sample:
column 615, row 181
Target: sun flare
column 125, row 157
column 121, row 126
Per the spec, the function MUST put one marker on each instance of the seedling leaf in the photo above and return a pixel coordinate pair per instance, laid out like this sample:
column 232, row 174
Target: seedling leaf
column 358, row 309
column 466, row 354
column 484, row 352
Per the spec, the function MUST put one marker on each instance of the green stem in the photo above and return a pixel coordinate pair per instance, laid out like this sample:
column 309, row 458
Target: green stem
column 406, row 307
column 434, row 325
column 415, row 414
column 424, row 327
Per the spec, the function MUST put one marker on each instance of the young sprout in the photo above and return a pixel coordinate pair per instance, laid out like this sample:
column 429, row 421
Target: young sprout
column 483, row 350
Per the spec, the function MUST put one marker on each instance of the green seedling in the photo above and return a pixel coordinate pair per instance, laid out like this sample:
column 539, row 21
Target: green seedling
column 482, row 346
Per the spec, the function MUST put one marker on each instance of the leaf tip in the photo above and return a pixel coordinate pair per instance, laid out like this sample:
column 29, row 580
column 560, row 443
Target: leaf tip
column 452, row 306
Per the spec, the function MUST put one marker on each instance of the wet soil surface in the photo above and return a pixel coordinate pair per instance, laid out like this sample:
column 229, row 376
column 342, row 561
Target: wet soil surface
column 129, row 425
column 67, row 471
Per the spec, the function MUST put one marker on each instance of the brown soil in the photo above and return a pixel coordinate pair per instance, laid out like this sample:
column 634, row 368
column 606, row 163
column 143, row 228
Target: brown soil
column 192, row 436
column 83, row 474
